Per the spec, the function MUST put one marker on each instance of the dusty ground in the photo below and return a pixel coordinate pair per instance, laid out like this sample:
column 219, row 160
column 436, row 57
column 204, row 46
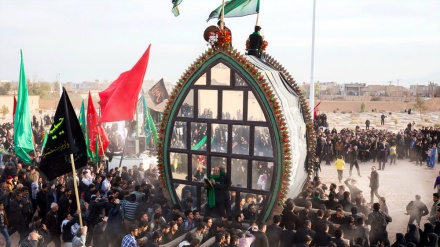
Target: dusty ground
column 397, row 183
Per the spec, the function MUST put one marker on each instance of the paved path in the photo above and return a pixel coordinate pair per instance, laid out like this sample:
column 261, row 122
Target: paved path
column 397, row 183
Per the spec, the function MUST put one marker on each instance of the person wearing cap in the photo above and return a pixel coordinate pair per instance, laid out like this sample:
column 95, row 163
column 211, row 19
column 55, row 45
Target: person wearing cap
column 255, row 42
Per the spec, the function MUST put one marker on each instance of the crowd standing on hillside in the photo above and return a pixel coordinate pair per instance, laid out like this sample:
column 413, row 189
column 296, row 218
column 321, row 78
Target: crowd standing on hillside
column 126, row 207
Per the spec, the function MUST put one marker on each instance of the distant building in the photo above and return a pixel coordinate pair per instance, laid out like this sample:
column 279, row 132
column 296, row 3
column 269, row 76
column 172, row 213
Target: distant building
column 354, row 89
column 422, row 90
column 88, row 85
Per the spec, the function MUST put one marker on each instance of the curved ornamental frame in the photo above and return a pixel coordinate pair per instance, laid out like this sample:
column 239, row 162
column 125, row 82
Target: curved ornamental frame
column 198, row 132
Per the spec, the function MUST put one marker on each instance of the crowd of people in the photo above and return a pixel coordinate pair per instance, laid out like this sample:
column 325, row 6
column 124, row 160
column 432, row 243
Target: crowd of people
column 127, row 207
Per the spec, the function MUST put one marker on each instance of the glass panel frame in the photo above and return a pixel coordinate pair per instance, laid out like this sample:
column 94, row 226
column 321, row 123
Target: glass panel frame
column 179, row 136
column 240, row 139
column 262, row 142
column 198, row 132
column 239, row 173
column 187, row 107
column 178, row 165
column 232, row 105
column 219, row 138
column 220, row 75
column 254, row 111
column 207, row 104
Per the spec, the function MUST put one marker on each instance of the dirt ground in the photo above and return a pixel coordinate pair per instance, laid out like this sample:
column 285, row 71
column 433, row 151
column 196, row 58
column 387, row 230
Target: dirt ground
column 397, row 183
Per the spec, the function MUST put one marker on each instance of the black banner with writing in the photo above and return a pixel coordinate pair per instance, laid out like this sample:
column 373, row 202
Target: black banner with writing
column 158, row 93
column 65, row 138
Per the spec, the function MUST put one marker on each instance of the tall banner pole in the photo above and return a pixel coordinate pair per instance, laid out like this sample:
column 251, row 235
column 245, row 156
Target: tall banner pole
column 123, row 150
column 75, row 186
column 258, row 16
column 312, row 73
column 222, row 16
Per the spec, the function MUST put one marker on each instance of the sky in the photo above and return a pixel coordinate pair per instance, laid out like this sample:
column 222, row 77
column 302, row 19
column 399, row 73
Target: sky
column 371, row 42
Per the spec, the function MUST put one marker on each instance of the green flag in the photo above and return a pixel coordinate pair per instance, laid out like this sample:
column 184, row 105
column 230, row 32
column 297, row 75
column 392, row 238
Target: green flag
column 199, row 144
column 175, row 9
column 46, row 134
column 22, row 121
column 82, row 123
column 149, row 126
column 236, row 8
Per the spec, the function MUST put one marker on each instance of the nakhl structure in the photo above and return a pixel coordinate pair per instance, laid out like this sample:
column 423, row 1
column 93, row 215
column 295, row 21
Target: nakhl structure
column 238, row 111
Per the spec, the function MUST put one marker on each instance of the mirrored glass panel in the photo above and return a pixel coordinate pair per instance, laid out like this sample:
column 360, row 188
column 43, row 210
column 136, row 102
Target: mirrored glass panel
column 262, row 142
column 198, row 167
column 255, row 113
column 239, row 82
column 218, row 161
column 201, row 80
column 187, row 108
column 239, row 173
column 262, row 172
column 187, row 195
column 238, row 202
column 220, row 75
column 261, row 201
column 198, row 136
column 240, row 139
column 232, row 105
column 219, row 138
column 208, row 103
column 250, row 206
column 179, row 165
column 179, row 137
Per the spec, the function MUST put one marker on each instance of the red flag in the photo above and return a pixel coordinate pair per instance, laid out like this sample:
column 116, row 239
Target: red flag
column 94, row 129
column 315, row 110
column 13, row 111
column 118, row 102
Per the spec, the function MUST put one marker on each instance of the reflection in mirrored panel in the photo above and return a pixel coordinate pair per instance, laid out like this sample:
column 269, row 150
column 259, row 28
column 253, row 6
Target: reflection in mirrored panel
column 262, row 143
column 220, row 75
column 237, row 207
column 240, row 139
column 187, row 108
column 261, row 201
column 198, row 136
column 239, row 82
column 187, row 195
column 198, row 167
column 232, row 105
column 219, row 138
column 218, row 161
column 255, row 113
column 239, row 173
column 262, row 172
column 251, row 208
column 201, row 80
column 179, row 165
column 208, row 103
column 179, row 137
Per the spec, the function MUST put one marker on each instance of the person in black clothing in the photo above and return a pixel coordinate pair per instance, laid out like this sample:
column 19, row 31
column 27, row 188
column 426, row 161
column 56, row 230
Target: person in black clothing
column 255, row 42
column 322, row 238
column 339, row 239
column 378, row 222
column 274, row 231
column 260, row 236
column 302, row 232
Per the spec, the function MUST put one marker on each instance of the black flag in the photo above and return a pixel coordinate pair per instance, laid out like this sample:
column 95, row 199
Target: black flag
column 158, row 93
column 65, row 138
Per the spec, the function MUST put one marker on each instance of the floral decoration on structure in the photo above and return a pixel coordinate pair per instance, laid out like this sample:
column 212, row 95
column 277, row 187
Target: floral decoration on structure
column 262, row 48
column 221, row 38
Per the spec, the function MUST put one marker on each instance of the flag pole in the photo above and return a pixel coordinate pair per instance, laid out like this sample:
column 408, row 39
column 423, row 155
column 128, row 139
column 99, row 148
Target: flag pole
column 222, row 16
column 312, row 73
column 123, row 150
column 75, row 186
column 258, row 16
